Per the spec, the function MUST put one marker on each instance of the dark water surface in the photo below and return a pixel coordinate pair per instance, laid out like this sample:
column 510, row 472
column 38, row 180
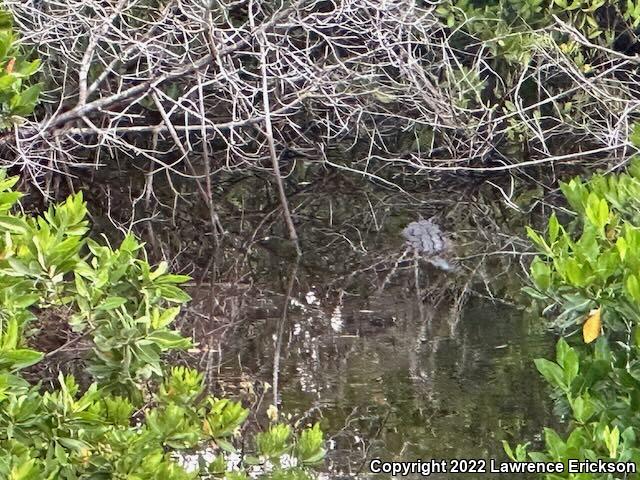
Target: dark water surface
column 394, row 378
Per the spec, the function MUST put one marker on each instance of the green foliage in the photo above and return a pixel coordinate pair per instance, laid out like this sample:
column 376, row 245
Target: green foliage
column 601, row 395
column 595, row 261
column 17, row 97
column 587, row 272
column 509, row 26
column 310, row 446
column 118, row 427
column 116, row 298
column 515, row 38
column 275, row 441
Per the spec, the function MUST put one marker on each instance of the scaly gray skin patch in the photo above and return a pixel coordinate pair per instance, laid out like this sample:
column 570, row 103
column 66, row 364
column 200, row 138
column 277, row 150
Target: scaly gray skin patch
column 427, row 239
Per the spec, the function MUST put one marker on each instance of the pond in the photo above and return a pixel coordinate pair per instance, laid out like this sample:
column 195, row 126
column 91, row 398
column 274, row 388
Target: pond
column 393, row 377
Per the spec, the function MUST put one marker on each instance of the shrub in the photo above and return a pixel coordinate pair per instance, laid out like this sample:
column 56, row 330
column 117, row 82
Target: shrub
column 121, row 426
column 587, row 275
column 17, row 97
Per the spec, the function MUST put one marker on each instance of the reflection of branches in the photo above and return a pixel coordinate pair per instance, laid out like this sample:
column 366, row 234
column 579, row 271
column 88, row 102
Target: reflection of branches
column 280, row 331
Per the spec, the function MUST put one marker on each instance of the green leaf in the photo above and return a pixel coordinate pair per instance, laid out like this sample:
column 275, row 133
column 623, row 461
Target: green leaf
column 165, row 318
column 172, row 279
column 632, row 287
column 25, row 301
column 636, row 335
column 612, row 440
column 173, row 294
column 6, row 42
column 72, row 443
column 532, row 292
column 111, row 303
column 18, row 268
column 19, row 359
column 576, row 194
column 161, row 270
column 13, row 225
column 552, row 372
column 225, row 445
column 583, row 408
column 571, row 366
column 541, row 274
column 10, row 335
column 635, row 135
column 25, row 471
column 539, row 241
column 554, row 228
column 621, row 246
column 309, row 448
column 597, row 212
column 567, row 358
column 555, row 444
column 168, row 339
column 27, row 69
column 7, row 80
column 30, row 95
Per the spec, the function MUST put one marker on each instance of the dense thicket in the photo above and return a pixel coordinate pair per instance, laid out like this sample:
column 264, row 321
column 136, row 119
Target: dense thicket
column 180, row 95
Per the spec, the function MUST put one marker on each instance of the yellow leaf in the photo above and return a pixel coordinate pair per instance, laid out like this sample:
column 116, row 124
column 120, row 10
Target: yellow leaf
column 592, row 326
column 206, row 427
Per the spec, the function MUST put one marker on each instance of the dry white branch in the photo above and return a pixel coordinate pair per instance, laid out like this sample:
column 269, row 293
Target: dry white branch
column 192, row 88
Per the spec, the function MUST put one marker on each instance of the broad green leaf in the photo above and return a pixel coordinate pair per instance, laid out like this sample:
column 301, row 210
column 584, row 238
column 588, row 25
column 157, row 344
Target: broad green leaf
column 554, row 228
column 169, row 339
column 13, row 224
column 111, row 303
column 552, row 372
column 20, row 358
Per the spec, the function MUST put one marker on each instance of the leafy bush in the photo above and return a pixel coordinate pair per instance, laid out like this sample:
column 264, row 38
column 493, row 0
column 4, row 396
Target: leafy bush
column 507, row 26
column 17, row 98
column 117, row 427
column 595, row 264
column 587, row 274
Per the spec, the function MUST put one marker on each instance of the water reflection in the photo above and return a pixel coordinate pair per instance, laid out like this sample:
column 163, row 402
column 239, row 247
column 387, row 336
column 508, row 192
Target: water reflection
column 397, row 379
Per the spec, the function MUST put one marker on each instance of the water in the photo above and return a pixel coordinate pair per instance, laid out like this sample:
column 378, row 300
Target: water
column 394, row 378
